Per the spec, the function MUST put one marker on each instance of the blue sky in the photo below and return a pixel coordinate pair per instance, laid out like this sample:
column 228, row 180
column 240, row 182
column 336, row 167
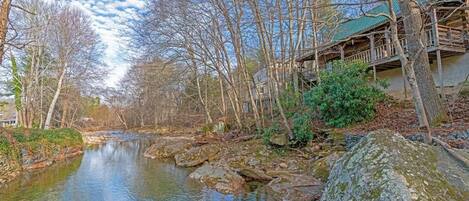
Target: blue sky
column 108, row 18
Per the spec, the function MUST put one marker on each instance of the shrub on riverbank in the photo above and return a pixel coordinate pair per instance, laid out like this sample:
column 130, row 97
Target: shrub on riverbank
column 345, row 96
column 11, row 140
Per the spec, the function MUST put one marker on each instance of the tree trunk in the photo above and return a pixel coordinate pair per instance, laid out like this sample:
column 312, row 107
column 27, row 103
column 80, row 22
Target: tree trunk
column 54, row 99
column 199, row 92
column 63, row 121
column 416, row 45
column 270, row 63
column 121, row 118
column 4, row 13
column 234, row 31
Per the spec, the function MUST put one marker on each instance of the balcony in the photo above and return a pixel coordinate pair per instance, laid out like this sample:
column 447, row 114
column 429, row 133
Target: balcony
column 449, row 40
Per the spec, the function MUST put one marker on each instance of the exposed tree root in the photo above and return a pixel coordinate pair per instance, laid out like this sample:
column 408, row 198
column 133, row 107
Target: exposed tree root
column 451, row 152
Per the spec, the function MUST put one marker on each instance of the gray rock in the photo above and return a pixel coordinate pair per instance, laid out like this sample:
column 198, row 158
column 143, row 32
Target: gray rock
column 351, row 140
column 417, row 137
column 279, row 140
column 253, row 162
column 166, row 148
column 197, row 155
column 385, row 166
column 255, row 174
column 294, row 187
column 459, row 135
column 221, row 179
column 323, row 166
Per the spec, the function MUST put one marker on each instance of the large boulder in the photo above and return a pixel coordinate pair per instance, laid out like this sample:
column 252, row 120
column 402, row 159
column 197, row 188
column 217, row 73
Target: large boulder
column 288, row 186
column 219, row 178
column 385, row 166
column 197, row 155
column 166, row 148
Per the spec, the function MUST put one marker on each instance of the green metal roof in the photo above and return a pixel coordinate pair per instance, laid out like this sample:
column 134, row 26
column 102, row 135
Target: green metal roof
column 364, row 23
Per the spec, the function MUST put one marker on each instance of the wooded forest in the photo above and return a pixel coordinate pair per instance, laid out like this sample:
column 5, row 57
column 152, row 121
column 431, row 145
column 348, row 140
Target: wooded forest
column 325, row 100
column 193, row 62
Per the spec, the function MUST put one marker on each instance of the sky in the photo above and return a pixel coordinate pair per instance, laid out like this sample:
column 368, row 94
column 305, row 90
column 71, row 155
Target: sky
column 108, row 18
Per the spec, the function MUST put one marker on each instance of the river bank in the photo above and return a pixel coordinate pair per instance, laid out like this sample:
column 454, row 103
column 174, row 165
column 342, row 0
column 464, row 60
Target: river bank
column 228, row 165
column 28, row 149
column 198, row 166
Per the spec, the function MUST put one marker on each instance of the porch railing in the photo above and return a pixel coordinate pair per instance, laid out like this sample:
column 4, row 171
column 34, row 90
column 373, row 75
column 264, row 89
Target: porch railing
column 447, row 36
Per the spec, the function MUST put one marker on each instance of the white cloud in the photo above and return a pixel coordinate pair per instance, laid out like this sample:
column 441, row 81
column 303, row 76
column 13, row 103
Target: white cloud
column 108, row 17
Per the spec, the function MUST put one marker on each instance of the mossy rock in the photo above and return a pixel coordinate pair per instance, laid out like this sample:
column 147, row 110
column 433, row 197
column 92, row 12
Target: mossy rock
column 385, row 166
column 278, row 140
column 336, row 138
column 322, row 167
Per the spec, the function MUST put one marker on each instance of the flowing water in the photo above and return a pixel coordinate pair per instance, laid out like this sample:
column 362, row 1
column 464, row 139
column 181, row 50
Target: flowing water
column 113, row 171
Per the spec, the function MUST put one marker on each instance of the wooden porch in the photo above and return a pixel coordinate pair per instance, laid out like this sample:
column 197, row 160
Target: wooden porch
column 444, row 41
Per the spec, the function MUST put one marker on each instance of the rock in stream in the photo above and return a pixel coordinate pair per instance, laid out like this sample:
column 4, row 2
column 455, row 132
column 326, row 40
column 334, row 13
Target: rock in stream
column 219, row 178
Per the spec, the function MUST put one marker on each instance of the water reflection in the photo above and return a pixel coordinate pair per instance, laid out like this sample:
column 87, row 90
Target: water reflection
column 114, row 171
column 42, row 184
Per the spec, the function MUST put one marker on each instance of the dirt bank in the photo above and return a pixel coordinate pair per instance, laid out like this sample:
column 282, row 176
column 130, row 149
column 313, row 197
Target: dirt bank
column 28, row 149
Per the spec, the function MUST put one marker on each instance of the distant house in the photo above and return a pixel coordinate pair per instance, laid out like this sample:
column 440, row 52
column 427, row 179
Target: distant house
column 367, row 38
column 261, row 86
column 7, row 113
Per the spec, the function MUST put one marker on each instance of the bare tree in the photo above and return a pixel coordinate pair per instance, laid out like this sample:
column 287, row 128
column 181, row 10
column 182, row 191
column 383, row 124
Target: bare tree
column 4, row 16
column 73, row 42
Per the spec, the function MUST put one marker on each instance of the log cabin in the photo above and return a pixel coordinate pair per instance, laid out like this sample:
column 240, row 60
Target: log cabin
column 367, row 38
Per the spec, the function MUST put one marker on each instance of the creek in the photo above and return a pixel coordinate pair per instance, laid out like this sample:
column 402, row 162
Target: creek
column 114, row 171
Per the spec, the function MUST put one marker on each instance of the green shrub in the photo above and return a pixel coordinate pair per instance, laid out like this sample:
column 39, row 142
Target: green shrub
column 268, row 132
column 301, row 129
column 62, row 136
column 5, row 147
column 344, row 95
column 290, row 101
column 52, row 140
column 207, row 128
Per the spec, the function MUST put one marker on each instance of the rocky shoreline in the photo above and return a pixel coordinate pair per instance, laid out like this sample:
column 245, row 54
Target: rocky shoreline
column 287, row 173
column 96, row 137
column 227, row 167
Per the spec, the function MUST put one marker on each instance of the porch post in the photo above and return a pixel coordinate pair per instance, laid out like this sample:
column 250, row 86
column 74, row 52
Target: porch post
column 436, row 43
column 373, row 54
column 342, row 53
column 440, row 73
column 465, row 25
column 388, row 44
column 435, row 35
